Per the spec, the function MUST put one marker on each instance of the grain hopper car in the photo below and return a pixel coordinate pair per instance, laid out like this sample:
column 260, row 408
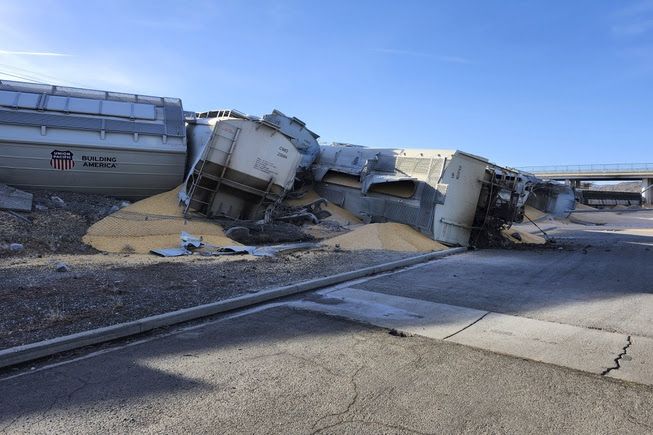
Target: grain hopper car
column 111, row 143
column 243, row 164
column 238, row 166
column 445, row 194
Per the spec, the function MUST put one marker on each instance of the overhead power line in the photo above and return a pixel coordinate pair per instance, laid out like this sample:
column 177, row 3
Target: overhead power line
column 29, row 79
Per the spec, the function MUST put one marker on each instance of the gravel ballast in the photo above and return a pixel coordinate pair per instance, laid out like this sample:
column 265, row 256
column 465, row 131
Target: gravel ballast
column 39, row 302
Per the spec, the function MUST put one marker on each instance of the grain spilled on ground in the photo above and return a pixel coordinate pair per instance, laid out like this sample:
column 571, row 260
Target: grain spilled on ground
column 533, row 213
column 151, row 223
column 580, row 206
column 385, row 236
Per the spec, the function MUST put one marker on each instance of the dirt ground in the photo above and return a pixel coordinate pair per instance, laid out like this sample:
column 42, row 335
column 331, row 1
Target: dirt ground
column 54, row 226
column 37, row 302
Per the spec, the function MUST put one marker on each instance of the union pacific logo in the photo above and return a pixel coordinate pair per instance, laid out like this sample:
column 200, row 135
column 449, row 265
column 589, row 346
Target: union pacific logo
column 62, row 160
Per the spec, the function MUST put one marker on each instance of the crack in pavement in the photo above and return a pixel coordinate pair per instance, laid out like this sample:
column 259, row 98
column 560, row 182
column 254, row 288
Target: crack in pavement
column 313, row 362
column 617, row 363
column 351, row 403
column 58, row 398
column 377, row 423
column 471, row 324
column 43, row 415
column 8, row 425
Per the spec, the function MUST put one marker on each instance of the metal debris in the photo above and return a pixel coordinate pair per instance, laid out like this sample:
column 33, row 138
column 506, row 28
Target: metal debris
column 58, row 202
column 189, row 241
column 191, row 245
column 171, row 252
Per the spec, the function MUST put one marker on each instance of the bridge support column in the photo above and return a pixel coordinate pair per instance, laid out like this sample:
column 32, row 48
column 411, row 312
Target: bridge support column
column 647, row 187
column 574, row 183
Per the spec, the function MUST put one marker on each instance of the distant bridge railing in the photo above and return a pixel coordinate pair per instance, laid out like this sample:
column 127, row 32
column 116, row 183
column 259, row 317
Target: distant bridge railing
column 611, row 168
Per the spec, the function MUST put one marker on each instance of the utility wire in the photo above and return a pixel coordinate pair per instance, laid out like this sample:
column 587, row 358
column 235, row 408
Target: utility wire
column 37, row 75
column 29, row 79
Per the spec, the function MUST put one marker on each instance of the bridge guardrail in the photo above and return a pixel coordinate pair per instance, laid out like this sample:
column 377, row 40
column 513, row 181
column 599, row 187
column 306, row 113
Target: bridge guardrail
column 583, row 169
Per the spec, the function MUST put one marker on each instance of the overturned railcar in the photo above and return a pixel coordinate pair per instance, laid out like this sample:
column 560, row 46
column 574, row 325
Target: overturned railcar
column 608, row 198
column 240, row 165
column 552, row 197
column 445, row 194
column 62, row 138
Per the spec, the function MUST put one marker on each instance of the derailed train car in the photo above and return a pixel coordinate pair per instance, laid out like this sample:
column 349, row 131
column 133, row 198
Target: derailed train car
column 83, row 140
column 241, row 167
column 445, row 194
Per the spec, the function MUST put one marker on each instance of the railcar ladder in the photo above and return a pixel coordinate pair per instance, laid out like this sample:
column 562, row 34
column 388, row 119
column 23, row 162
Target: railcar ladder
column 198, row 174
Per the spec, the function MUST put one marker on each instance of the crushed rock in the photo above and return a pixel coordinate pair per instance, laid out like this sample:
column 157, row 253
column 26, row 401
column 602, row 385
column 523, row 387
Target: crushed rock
column 51, row 229
column 38, row 303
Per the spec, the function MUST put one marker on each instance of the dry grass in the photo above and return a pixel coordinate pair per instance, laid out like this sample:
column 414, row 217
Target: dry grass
column 56, row 313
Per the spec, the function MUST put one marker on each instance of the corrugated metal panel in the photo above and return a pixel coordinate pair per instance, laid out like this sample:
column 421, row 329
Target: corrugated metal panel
column 174, row 117
column 22, row 100
column 335, row 196
column 412, row 165
column 397, row 211
column 85, row 123
column 49, row 120
column 427, row 207
column 435, row 172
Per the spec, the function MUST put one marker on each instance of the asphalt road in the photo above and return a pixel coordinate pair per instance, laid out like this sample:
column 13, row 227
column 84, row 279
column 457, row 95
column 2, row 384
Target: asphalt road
column 287, row 371
column 288, row 368
column 604, row 282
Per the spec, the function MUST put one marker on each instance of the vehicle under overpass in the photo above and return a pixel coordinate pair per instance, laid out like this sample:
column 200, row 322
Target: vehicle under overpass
column 575, row 174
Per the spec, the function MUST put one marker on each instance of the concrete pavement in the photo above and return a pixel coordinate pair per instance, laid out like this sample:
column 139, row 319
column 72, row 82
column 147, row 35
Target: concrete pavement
column 288, row 368
column 588, row 306
column 287, row 371
column 584, row 349
column 604, row 283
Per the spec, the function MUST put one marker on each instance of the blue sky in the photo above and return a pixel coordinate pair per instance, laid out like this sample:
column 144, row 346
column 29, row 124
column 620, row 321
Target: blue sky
column 519, row 82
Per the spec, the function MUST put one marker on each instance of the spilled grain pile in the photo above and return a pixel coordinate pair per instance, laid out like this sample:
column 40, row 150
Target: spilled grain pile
column 152, row 223
column 386, row 236
column 587, row 218
column 522, row 237
column 533, row 213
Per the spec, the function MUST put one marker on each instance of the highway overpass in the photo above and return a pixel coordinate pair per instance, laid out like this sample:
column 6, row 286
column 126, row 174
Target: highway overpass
column 575, row 174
